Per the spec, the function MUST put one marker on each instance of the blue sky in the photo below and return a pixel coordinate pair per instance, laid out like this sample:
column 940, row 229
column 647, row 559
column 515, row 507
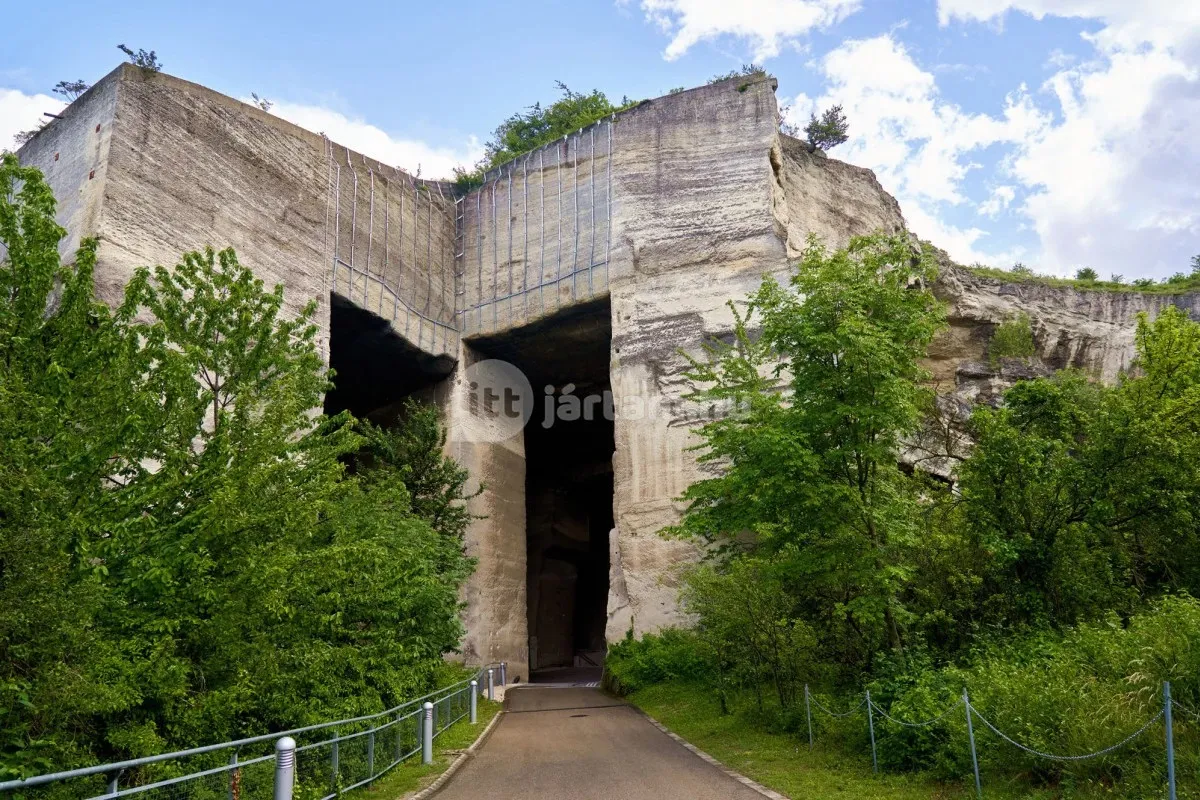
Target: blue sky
column 1060, row 133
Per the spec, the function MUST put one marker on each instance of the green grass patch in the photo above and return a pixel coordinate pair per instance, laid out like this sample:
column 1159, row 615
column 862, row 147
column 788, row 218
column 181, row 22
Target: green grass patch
column 412, row 775
column 784, row 763
column 1177, row 285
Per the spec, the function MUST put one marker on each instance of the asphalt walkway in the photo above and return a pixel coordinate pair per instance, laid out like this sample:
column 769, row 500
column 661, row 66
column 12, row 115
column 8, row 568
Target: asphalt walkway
column 579, row 744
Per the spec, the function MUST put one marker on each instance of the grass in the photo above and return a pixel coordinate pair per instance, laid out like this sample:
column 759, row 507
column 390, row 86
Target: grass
column 1179, row 286
column 784, row 763
column 412, row 775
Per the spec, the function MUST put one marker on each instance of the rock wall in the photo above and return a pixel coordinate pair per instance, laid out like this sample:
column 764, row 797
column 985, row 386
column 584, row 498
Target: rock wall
column 1079, row 328
column 536, row 234
column 709, row 198
column 654, row 219
column 155, row 166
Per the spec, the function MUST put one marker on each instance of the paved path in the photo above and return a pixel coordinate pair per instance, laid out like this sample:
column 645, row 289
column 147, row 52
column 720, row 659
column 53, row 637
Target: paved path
column 579, row 744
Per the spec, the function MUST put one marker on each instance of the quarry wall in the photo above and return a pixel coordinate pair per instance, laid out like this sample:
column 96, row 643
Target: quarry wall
column 657, row 217
column 155, row 166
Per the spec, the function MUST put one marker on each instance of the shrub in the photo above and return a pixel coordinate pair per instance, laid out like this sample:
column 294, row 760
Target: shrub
column 670, row 654
column 1013, row 339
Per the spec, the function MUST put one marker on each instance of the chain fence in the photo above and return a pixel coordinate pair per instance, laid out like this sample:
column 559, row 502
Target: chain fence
column 324, row 760
column 972, row 714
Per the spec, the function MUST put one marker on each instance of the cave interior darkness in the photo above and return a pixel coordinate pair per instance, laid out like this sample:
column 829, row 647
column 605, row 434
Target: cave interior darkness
column 568, row 482
column 568, row 465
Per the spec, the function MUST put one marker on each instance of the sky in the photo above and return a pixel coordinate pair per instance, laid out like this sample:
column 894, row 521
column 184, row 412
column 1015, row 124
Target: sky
column 1055, row 133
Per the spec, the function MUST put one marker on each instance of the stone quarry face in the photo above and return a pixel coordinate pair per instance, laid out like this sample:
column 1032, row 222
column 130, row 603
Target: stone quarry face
column 588, row 268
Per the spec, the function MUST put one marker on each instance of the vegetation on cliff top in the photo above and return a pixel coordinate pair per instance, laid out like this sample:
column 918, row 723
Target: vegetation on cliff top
column 1087, row 280
column 184, row 557
column 528, row 130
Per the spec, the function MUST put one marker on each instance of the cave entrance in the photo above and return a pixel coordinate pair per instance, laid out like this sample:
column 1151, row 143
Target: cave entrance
column 374, row 367
column 568, row 486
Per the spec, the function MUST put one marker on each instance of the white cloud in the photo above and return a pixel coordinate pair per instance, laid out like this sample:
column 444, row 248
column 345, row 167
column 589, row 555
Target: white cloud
column 434, row 161
column 920, row 145
column 22, row 112
column 1114, row 181
column 1002, row 197
column 766, row 25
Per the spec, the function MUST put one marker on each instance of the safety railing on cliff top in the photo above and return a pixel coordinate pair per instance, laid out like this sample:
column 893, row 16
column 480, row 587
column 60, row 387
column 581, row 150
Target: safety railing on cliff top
column 972, row 714
column 332, row 757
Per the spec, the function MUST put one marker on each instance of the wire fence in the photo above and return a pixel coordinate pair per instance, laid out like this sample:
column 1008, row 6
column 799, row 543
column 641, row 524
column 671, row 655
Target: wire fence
column 972, row 714
column 325, row 759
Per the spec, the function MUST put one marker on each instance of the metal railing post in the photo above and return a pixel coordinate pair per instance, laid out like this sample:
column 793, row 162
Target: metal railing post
column 1170, row 740
column 808, row 714
column 114, row 781
column 333, row 764
column 427, row 734
column 871, row 725
column 491, row 685
column 474, row 702
column 285, row 768
column 971, row 738
column 504, row 673
column 399, row 737
column 235, row 776
column 371, row 754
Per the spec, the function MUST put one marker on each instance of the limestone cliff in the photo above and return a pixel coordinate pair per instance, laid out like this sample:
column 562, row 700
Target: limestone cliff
column 1072, row 327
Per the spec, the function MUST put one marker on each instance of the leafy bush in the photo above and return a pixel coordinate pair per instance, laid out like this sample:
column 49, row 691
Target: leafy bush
column 670, row 654
column 524, row 132
column 183, row 556
column 1013, row 339
column 1066, row 694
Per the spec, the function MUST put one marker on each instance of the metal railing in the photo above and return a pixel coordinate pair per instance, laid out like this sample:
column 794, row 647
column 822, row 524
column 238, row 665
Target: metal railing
column 334, row 756
column 972, row 714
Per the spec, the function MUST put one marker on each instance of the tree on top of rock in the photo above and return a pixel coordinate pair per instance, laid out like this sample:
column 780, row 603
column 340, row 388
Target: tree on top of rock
column 828, row 131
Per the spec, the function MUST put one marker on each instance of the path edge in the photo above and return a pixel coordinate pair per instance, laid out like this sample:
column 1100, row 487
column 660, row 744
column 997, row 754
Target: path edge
column 749, row 783
column 458, row 762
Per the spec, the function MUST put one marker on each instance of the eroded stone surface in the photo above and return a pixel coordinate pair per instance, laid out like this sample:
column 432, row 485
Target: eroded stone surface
column 700, row 198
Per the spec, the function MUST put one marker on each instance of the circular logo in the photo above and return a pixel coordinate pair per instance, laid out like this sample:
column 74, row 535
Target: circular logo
column 499, row 401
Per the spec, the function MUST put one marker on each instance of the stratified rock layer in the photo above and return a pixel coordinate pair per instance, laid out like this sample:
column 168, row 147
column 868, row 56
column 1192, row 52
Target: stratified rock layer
column 659, row 216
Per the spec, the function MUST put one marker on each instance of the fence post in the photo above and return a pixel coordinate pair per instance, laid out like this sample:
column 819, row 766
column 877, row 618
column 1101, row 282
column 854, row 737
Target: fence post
column 399, row 737
column 371, row 754
column 285, row 768
column 333, row 765
column 427, row 734
column 1170, row 740
column 234, row 778
column 971, row 737
column 808, row 714
column 114, row 780
column 474, row 702
column 491, row 685
column 871, row 724
column 504, row 673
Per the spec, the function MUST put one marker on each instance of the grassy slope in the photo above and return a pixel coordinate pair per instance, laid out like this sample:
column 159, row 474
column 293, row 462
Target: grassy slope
column 784, row 763
column 1181, row 287
column 413, row 775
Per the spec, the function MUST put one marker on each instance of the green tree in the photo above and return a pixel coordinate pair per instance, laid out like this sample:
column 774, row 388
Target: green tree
column 828, row 131
column 811, row 472
column 1013, row 339
column 71, row 90
column 529, row 130
column 412, row 452
column 169, row 498
column 1086, row 274
column 147, row 60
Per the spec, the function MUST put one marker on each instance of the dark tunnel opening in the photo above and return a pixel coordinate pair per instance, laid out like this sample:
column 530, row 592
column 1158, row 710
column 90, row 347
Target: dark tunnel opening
column 374, row 367
column 568, row 483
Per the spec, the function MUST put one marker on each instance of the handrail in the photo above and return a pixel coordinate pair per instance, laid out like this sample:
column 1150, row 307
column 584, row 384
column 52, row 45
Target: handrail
column 118, row 766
